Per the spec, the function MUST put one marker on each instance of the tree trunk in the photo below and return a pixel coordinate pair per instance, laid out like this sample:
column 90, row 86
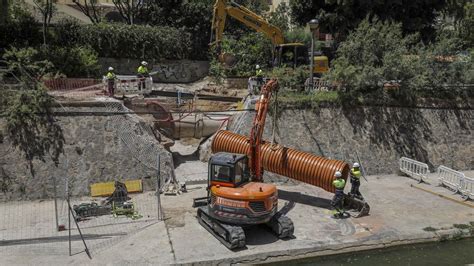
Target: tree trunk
column 44, row 30
column 3, row 11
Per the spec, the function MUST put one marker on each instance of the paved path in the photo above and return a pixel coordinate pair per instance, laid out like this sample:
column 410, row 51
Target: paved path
column 400, row 214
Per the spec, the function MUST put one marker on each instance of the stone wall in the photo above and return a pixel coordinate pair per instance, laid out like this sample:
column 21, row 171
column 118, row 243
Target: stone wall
column 380, row 135
column 182, row 71
column 93, row 152
column 235, row 83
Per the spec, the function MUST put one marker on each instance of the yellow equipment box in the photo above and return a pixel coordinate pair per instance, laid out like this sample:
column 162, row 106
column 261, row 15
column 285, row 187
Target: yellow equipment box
column 106, row 189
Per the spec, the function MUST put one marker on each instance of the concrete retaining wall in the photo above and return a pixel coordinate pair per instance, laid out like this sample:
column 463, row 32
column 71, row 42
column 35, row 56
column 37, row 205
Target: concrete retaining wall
column 381, row 135
column 235, row 83
column 182, row 71
column 94, row 154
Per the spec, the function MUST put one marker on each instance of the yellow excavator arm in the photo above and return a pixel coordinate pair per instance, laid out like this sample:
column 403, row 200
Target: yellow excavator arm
column 244, row 15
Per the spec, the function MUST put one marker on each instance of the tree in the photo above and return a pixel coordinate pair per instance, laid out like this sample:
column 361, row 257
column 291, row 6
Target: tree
column 374, row 53
column 343, row 16
column 47, row 9
column 3, row 11
column 280, row 17
column 30, row 124
column 91, row 9
column 129, row 9
column 467, row 24
column 454, row 11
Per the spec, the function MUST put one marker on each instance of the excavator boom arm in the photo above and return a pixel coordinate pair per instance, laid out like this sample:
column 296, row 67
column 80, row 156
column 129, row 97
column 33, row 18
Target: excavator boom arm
column 256, row 133
column 244, row 15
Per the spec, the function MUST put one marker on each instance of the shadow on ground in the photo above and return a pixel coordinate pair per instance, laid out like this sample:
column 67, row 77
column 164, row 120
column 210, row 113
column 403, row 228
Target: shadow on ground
column 297, row 197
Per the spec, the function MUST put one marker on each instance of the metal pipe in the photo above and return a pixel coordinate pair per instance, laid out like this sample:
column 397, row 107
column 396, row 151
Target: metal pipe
column 298, row 165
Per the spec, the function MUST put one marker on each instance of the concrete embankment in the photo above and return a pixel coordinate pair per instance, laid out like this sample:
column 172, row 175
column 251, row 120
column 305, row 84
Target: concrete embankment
column 95, row 150
column 380, row 135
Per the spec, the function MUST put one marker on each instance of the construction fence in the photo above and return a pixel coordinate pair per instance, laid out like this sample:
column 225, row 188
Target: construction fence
column 104, row 216
column 82, row 212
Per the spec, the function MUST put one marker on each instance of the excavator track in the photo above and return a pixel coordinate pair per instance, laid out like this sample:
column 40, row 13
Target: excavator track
column 232, row 236
column 282, row 226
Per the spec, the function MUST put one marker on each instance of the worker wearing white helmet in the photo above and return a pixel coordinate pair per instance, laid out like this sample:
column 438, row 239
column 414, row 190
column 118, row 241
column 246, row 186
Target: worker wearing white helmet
column 111, row 77
column 258, row 77
column 142, row 74
column 258, row 72
column 355, row 181
column 339, row 183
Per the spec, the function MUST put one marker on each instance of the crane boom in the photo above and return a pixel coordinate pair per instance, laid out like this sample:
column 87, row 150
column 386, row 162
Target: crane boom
column 244, row 15
column 256, row 133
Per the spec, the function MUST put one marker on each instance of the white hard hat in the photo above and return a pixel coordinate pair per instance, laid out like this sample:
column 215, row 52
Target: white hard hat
column 257, row 66
column 356, row 165
column 111, row 68
column 338, row 174
column 144, row 63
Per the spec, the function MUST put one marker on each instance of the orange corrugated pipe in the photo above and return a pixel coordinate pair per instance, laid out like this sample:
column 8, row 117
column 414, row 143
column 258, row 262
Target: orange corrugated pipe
column 298, row 165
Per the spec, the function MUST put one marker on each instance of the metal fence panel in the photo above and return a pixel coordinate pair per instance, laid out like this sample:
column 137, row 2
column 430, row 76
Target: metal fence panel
column 450, row 178
column 414, row 169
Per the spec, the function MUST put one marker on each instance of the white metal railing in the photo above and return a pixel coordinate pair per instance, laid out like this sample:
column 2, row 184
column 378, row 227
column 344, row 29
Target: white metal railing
column 450, row 178
column 414, row 169
column 127, row 83
column 467, row 187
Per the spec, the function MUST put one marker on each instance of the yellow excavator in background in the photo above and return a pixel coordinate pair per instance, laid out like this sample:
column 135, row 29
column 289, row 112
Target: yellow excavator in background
column 289, row 54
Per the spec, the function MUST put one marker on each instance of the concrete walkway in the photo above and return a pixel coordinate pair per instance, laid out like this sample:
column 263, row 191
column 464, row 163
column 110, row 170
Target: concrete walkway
column 400, row 214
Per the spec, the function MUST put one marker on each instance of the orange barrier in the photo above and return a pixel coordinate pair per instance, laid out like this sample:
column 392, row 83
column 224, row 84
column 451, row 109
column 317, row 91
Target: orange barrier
column 301, row 166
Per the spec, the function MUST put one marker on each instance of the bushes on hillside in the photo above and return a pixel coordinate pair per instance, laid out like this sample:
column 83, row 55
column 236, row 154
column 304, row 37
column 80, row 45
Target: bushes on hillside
column 135, row 41
column 377, row 53
column 72, row 61
column 107, row 40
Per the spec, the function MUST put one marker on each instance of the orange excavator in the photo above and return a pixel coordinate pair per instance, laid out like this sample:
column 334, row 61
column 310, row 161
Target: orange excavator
column 237, row 196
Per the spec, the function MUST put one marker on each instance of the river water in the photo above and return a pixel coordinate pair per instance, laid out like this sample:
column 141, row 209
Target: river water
column 460, row 252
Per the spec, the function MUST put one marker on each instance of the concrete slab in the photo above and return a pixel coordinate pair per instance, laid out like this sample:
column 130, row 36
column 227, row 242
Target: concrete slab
column 399, row 214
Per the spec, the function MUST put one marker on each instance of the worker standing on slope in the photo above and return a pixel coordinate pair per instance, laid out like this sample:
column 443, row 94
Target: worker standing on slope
column 142, row 74
column 355, row 181
column 111, row 81
column 259, row 74
column 338, row 198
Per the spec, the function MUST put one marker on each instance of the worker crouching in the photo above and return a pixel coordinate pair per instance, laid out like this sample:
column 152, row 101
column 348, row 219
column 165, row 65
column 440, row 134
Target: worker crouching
column 338, row 199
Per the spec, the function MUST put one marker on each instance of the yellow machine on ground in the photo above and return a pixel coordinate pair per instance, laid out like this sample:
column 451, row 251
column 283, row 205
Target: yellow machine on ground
column 289, row 54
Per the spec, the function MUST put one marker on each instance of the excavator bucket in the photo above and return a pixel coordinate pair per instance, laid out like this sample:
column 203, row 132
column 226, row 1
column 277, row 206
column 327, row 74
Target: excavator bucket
column 228, row 60
column 356, row 207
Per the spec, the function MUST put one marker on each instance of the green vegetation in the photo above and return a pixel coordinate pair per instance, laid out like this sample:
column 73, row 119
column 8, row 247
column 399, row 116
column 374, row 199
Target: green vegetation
column 462, row 226
column 50, row 61
column 430, row 229
column 342, row 17
column 304, row 100
column 377, row 53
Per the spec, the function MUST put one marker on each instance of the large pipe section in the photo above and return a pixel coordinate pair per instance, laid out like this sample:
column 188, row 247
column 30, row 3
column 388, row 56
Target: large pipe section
column 301, row 166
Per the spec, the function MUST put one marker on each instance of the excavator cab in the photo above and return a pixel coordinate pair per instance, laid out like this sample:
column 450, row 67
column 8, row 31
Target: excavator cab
column 228, row 169
column 291, row 55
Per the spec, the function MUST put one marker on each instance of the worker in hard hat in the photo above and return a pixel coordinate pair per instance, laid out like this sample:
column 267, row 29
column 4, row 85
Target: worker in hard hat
column 337, row 201
column 355, row 181
column 111, row 77
column 142, row 74
column 258, row 72
column 258, row 79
